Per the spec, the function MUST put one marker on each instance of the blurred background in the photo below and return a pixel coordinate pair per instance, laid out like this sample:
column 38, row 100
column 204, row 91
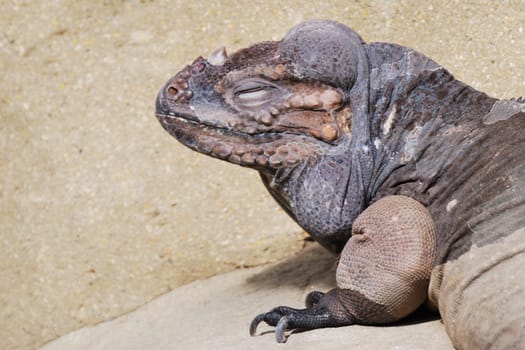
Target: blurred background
column 101, row 210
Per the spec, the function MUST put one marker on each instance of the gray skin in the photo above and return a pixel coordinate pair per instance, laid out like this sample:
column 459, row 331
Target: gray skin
column 333, row 125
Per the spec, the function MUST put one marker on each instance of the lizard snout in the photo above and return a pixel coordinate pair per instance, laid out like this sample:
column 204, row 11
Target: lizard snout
column 177, row 90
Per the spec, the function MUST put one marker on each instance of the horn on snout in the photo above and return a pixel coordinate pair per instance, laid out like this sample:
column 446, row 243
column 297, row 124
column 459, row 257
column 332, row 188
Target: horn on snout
column 218, row 57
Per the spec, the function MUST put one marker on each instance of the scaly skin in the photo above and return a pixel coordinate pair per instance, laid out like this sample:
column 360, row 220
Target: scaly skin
column 335, row 126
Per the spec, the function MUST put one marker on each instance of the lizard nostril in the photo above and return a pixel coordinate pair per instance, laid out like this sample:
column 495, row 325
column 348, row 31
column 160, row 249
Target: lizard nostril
column 173, row 91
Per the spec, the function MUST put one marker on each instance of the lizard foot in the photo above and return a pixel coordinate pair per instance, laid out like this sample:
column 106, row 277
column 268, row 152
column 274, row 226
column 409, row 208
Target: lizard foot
column 323, row 310
column 313, row 298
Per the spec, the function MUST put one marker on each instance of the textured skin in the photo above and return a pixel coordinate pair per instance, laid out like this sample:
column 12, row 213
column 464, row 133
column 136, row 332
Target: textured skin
column 334, row 125
column 482, row 296
column 388, row 259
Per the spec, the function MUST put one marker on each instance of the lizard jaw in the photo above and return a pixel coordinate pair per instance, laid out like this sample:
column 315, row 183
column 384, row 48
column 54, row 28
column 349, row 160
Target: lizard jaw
column 260, row 151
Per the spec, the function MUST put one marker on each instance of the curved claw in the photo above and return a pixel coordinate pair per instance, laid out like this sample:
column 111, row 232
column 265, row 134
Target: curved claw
column 323, row 310
column 253, row 326
column 280, row 329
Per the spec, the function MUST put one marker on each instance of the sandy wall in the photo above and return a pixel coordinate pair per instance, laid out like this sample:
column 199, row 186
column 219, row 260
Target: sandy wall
column 101, row 210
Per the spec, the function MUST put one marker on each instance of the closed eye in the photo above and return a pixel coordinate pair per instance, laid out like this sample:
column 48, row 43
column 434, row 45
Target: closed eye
column 254, row 93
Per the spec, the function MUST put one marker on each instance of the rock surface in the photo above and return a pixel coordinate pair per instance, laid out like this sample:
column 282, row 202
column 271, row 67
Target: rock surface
column 102, row 210
column 215, row 313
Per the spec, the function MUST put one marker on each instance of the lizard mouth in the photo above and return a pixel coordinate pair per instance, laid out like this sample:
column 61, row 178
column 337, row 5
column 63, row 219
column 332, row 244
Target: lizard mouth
column 181, row 121
column 187, row 124
column 260, row 150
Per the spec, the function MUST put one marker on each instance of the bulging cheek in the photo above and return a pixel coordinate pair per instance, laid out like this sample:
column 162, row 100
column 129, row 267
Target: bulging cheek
column 311, row 109
column 329, row 132
column 316, row 98
column 249, row 122
column 319, row 124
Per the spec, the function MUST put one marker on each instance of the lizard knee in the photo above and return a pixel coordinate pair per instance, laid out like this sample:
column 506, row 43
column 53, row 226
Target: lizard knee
column 385, row 266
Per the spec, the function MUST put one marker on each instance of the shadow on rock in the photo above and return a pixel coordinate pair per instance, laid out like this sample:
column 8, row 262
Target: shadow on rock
column 315, row 266
column 312, row 266
column 422, row 314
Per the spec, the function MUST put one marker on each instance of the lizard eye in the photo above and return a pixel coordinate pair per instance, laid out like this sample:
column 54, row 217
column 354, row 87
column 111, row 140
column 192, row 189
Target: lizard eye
column 254, row 93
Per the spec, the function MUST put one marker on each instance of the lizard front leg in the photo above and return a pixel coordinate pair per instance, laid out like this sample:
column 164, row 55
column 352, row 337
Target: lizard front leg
column 382, row 276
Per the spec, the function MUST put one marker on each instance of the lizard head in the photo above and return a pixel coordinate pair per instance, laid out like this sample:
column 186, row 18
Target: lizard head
column 272, row 105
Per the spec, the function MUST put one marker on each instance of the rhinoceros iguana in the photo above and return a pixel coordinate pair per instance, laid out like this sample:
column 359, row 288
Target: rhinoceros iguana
column 376, row 151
